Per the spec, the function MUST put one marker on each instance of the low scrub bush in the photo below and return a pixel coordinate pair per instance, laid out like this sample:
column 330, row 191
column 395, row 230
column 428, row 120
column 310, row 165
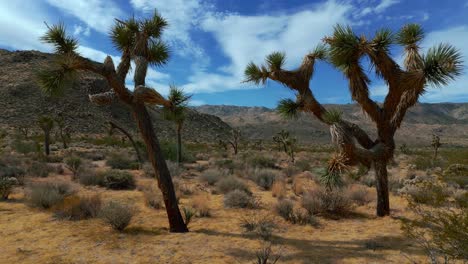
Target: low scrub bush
column 264, row 178
column 359, row 194
column 456, row 173
column 121, row 161
column 426, row 190
column 285, row 209
column 290, row 171
column 79, row 207
column 212, row 176
column 117, row 215
column 261, row 161
column 39, row 169
column 232, row 183
column 89, row 177
column 118, row 180
column 201, row 203
column 6, row 186
column 327, row 203
column 303, row 165
column 278, row 189
column 260, row 226
column 48, row 194
column 239, row 199
column 11, row 170
column 153, row 197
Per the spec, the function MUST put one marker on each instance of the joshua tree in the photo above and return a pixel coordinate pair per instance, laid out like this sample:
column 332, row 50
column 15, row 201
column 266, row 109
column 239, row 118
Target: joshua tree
column 46, row 124
column 64, row 130
column 234, row 141
column 345, row 50
column 176, row 113
column 113, row 126
column 435, row 145
column 288, row 143
column 138, row 40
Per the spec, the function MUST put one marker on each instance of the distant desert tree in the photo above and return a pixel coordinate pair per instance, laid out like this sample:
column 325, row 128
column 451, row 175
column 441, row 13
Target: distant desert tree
column 63, row 130
column 138, row 40
column 346, row 50
column 288, row 143
column 46, row 123
column 177, row 114
column 435, row 145
column 233, row 140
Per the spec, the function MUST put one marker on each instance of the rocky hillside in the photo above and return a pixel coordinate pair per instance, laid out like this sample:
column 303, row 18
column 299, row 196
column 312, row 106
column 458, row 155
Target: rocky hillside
column 22, row 102
column 449, row 120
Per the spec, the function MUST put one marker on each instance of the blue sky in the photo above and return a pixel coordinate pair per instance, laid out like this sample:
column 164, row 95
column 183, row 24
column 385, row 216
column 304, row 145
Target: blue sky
column 212, row 41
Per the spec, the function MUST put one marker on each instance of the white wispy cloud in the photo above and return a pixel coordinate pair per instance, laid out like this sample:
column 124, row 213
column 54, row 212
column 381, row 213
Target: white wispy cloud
column 384, row 4
column 97, row 14
column 250, row 38
column 80, row 30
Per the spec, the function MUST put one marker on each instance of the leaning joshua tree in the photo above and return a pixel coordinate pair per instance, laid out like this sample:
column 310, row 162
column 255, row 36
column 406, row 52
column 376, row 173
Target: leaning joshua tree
column 46, row 124
column 345, row 50
column 179, row 100
column 138, row 41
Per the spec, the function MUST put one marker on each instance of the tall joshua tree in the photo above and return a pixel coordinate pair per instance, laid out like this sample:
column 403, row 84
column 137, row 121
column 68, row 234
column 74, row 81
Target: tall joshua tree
column 345, row 50
column 138, row 40
column 46, row 124
column 176, row 113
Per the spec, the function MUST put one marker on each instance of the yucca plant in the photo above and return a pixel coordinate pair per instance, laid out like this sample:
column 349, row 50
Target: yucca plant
column 176, row 113
column 288, row 143
column 435, row 145
column 345, row 50
column 46, row 123
column 138, row 40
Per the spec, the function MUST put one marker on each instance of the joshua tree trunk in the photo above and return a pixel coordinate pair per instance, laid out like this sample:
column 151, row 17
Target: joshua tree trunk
column 163, row 176
column 47, row 143
column 383, row 202
column 179, row 143
column 64, row 140
column 130, row 138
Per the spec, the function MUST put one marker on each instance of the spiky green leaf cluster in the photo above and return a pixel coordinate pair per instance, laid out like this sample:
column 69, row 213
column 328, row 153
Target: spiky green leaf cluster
column 331, row 180
column 46, row 123
column 276, row 60
column 57, row 36
column 154, row 26
column 288, row 108
column 332, row 116
column 410, row 34
column 383, row 40
column 179, row 101
column 320, row 52
column 344, row 46
column 54, row 81
column 158, row 53
column 442, row 64
column 123, row 34
column 255, row 74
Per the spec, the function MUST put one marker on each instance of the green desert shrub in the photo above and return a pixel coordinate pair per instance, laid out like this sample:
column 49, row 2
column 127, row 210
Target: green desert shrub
column 231, row 183
column 189, row 213
column 456, row 173
column 239, row 199
column 120, row 161
column 89, row 177
column 12, row 170
column 264, row 178
column 285, row 209
column 117, row 215
column 426, row 190
column 118, row 180
column 39, row 169
column 26, row 146
column 262, row 161
column 6, row 186
column 48, row 194
column 212, row 176
column 169, row 150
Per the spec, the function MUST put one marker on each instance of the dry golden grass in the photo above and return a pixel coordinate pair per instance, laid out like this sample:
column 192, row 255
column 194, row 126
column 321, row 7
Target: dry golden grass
column 33, row 236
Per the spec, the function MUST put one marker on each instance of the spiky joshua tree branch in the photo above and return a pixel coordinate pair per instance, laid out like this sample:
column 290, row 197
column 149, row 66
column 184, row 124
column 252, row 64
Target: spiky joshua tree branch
column 138, row 40
column 345, row 50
